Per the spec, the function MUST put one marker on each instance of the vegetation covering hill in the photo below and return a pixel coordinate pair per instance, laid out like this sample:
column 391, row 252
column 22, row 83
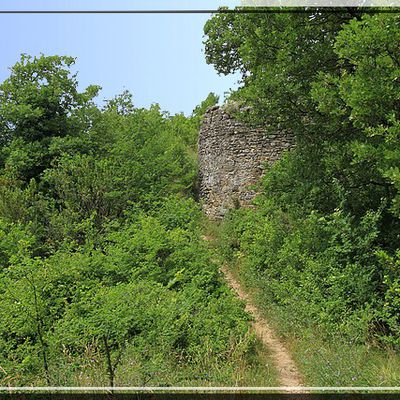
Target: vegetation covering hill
column 322, row 246
column 104, row 276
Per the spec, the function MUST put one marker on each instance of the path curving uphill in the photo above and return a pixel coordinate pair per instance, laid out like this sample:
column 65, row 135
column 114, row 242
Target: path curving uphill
column 288, row 373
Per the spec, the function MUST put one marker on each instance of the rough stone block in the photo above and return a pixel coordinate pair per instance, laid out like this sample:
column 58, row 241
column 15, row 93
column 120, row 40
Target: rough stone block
column 231, row 158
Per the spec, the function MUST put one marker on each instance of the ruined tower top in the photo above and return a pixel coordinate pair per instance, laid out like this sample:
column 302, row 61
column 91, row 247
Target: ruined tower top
column 232, row 156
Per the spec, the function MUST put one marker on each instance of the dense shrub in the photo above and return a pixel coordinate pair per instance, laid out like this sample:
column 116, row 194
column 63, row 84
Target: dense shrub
column 324, row 238
column 101, row 253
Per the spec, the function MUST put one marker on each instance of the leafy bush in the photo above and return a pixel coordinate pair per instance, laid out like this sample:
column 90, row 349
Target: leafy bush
column 323, row 241
column 100, row 240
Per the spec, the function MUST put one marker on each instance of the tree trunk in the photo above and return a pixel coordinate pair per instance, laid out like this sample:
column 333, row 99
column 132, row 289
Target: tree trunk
column 110, row 369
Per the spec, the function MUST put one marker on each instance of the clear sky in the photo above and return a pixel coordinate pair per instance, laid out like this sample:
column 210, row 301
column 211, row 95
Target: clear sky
column 157, row 57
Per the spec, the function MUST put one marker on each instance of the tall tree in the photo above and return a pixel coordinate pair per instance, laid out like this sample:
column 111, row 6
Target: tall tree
column 39, row 101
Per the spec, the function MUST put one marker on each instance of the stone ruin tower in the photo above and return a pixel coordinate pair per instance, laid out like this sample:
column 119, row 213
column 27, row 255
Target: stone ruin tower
column 232, row 156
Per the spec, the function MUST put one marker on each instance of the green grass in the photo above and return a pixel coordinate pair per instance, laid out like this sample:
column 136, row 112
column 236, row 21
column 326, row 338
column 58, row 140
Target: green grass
column 243, row 367
column 324, row 358
column 250, row 367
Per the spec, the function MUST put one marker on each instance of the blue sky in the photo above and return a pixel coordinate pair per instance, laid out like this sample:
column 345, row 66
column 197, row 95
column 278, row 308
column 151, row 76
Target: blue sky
column 159, row 58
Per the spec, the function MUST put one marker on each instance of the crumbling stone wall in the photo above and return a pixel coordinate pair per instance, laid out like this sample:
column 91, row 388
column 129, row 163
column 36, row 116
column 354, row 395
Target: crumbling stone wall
column 231, row 158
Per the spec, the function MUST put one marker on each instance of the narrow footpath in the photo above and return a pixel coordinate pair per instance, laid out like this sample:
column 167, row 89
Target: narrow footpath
column 288, row 373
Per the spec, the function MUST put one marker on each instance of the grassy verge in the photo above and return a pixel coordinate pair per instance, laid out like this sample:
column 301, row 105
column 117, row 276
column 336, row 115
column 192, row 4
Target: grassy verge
column 330, row 359
column 324, row 358
column 252, row 370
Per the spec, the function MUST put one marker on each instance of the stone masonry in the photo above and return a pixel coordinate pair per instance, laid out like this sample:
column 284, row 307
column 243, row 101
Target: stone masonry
column 232, row 156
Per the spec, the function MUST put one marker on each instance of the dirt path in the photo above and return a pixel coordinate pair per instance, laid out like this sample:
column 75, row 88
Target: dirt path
column 288, row 374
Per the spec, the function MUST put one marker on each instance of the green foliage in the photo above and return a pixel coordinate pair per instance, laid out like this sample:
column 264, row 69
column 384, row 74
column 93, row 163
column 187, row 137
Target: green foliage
column 279, row 59
column 101, row 253
column 211, row 100
column 39, row 101
column 324, row 238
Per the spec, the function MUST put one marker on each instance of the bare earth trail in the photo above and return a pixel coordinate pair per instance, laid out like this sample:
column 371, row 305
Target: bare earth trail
column 288, row 373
